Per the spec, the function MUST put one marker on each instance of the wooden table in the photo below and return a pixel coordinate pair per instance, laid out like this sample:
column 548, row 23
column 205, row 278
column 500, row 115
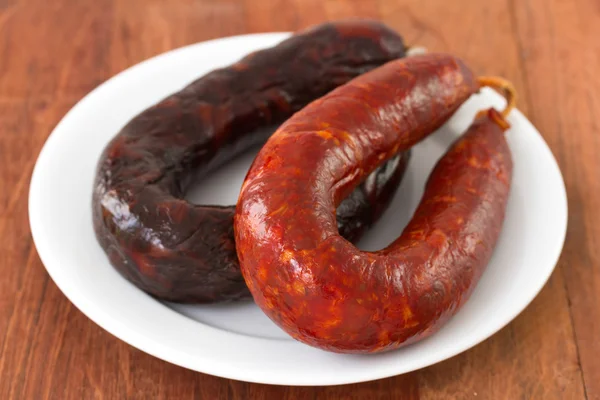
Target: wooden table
column 54, row 52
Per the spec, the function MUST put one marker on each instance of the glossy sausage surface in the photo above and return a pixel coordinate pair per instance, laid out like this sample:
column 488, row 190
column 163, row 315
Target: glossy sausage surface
column 182, row 252
column 316, row 285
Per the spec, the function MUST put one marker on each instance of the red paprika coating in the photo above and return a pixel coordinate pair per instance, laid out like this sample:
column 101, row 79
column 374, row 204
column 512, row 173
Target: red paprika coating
column 321, row 289
column 183, row 252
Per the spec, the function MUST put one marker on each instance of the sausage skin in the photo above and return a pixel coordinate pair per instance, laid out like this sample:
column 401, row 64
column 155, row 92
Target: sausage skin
column 182, row 252
column 317, row 286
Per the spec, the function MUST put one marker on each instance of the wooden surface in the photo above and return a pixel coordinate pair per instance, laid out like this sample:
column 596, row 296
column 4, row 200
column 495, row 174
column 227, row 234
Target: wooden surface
column 54, row 52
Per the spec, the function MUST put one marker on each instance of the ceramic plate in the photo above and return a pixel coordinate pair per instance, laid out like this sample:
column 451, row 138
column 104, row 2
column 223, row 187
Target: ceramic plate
column 236, row 340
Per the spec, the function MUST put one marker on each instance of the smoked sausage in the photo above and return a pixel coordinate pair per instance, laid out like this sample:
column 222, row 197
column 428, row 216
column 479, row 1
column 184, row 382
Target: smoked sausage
column 182, row 252
column 313, row 283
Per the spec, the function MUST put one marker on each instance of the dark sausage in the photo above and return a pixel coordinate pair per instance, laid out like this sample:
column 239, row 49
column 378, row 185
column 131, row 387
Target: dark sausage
column 317, row 286
column 182, row 252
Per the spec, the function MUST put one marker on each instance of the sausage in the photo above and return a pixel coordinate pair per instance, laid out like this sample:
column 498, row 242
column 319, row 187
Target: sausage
column 182, row 252
column 314, row 284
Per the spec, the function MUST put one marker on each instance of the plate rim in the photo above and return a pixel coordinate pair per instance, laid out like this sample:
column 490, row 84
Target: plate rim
column 136, row 339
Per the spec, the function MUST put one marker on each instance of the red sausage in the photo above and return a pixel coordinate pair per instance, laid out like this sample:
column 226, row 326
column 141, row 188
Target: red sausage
column 317, row 286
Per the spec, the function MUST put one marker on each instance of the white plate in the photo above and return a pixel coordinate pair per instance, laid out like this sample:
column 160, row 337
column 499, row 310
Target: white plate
column 236, row 340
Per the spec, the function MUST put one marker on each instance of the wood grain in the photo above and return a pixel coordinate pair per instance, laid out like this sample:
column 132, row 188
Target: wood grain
column 556, row 46
column 53, row 53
